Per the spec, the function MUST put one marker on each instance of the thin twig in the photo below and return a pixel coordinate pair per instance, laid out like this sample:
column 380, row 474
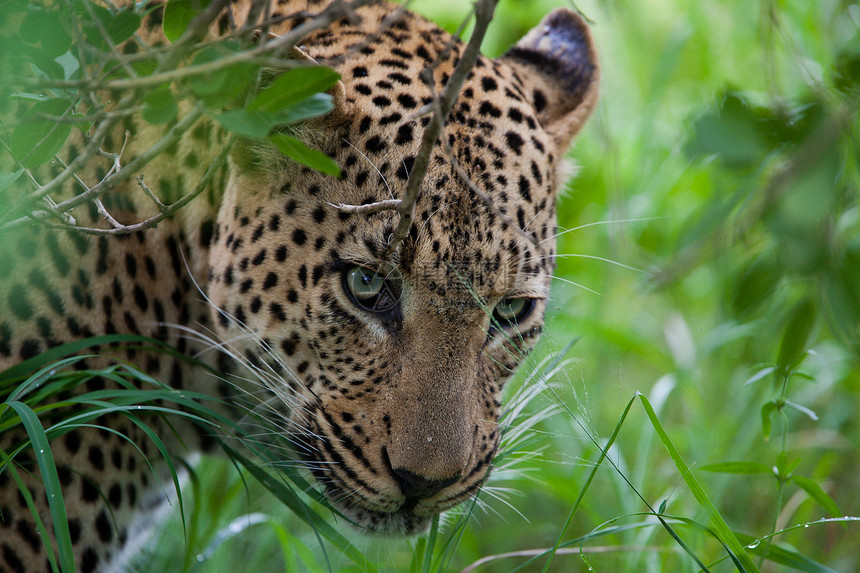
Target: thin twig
column 483, row 16
column 376, row 207
column 165, row 211
column 568, row 551
column 111, row 181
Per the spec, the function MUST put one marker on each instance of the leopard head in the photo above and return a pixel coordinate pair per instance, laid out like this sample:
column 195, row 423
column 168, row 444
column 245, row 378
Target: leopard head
column 390, row 367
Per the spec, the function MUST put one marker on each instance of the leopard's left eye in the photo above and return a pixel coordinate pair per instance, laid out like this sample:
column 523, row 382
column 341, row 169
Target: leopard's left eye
column 512, row 310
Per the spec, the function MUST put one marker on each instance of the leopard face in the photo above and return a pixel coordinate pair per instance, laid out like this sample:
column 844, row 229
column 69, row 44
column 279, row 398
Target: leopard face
column 391, row 367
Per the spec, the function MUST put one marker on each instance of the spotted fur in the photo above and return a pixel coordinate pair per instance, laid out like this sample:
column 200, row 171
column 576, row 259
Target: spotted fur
column 396, row 411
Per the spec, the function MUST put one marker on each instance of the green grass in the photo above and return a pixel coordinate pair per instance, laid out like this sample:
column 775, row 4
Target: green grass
column 718, row 353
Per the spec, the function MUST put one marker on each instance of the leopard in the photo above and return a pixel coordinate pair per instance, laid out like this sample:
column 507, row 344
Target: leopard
column 386, row 368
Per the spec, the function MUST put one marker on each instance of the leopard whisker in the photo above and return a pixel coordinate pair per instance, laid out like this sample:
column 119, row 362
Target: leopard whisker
column 607, row 222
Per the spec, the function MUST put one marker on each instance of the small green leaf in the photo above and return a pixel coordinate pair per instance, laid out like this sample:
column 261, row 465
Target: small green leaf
column 732, row 133
column 32, row 25
column 69, row 64
column 222, row 86
column 309, row 108
column 159, row 106
column 293, row 86
column 29, row 96
column 118, row 26
column 123, row 25
column 756, row 282
column 743, row 468
column 7, row 179
column 296, row 149
column 251, row 124
column 802, row 409
column 760, row 374
column 46, row 27
column 784, row 466
column 35, row 141
column 796, row 335
column 43, row 65
column 767, row 411
column 81, row 122
column 178, row 14
column 815, row 492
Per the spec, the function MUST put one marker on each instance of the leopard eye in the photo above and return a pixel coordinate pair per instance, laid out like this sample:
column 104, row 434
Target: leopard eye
column 362, row 283
column 512, row 310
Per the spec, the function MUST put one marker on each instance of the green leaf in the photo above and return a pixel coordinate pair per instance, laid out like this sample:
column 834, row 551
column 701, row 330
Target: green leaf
column 257, row 124
column 178, row 14
column 123, row 25
column 6, row 179
column 118, row 26
column 815, row 492
column 796, row 335
column 222, row 86
column 296, row 150
column 760, row 374
column 69, row 64
column 47, row 28
column 293, row 86
column 159, row 106
column 36, row 141
column 802, row 409
column 309, row 108
column 767, row 411
column 732, row 132
column 743, row 468
column 43, row 65
column 251, row 124
column 756, row 282
column 784, row 555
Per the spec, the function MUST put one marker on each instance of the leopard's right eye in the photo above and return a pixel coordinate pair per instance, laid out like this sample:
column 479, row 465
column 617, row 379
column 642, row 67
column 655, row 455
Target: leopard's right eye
column 363, row 283
column 369, row 290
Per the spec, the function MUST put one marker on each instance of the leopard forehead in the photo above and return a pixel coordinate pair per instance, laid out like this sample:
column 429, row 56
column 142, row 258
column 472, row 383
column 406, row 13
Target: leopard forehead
column 492, row 171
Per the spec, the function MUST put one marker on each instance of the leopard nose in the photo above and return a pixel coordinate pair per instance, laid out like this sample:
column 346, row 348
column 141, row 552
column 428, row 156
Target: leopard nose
column 417, row 487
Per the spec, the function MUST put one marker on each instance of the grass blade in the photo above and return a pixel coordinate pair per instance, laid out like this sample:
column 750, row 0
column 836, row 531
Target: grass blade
column 725, row 534
column 51, row 481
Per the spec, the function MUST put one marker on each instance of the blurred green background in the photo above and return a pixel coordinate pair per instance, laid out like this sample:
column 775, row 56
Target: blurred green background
column 711, row 238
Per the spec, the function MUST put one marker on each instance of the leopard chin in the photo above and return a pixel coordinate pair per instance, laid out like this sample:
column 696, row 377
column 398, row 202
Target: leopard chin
column 411, row 517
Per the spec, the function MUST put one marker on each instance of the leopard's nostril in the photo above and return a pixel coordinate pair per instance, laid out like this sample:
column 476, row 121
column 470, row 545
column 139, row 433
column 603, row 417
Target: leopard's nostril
column 417, row 487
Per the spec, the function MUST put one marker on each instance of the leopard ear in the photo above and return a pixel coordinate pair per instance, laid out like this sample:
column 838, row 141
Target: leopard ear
column 558, row 65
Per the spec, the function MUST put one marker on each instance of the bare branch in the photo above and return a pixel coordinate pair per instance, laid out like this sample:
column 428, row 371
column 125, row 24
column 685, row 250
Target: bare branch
column 483, row 16
column 112, row 180
column 165, row 211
